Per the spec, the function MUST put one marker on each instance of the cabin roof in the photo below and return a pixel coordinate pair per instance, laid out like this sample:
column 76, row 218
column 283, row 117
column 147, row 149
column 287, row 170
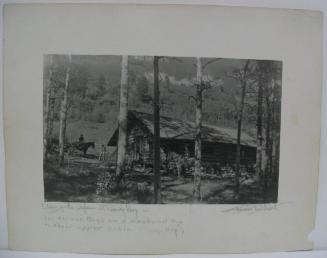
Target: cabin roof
column 171, row 128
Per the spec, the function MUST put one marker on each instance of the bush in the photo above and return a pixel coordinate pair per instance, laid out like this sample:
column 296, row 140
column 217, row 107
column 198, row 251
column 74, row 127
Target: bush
column 105, row 182
column 109, row 182
column 142, row 192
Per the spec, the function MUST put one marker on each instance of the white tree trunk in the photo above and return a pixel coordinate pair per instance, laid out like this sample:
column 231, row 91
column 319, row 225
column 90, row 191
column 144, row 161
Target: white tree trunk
column 260, row 121
column 238, row 142
column 122, row 117
column 48, row 111
column 156, row 131
column 243, row 82
column 63, row 113
column 198, row 124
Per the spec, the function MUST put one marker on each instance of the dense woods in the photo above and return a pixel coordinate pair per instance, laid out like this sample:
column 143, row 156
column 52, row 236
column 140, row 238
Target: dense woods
column 98, row 91
column 94, row 92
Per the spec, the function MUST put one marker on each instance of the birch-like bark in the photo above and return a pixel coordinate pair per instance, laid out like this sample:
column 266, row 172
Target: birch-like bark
column 63, row 114
column 268, row 146
column 198, row 125
column 49, row 97
column 238, row 142
column 259, row 122
column 122, row 117
column 273, row 131
column 156, row 133
column 276, row 132
column 243, row 81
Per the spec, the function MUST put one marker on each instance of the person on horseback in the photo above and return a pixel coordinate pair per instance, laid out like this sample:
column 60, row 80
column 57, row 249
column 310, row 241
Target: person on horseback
column 81, row 140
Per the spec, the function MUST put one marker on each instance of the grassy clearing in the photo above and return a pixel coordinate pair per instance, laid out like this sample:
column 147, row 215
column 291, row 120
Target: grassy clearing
column 77, row 182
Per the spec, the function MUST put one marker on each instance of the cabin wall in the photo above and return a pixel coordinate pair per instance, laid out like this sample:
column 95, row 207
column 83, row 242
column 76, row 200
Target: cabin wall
column 249, row 156
column 218, row 153
column 139, row 148
column 211, row 152
column 139, row 145
column 226, row 153
column 182, row 147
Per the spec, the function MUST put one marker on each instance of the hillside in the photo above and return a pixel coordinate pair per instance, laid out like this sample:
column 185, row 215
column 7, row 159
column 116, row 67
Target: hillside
column 94, row 93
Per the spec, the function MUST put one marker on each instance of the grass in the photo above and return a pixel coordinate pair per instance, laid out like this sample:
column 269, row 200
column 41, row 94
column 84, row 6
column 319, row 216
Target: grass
column 77, row 182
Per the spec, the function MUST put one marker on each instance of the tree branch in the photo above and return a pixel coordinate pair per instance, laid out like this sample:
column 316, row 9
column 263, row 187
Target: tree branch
column 191, row 97
column 210, row 62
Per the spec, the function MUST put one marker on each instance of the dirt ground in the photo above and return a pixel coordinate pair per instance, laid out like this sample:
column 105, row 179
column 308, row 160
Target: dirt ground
column 77, row 181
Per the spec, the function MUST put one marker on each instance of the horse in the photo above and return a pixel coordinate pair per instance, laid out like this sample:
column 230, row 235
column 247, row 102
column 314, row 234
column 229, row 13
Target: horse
column 82, row 146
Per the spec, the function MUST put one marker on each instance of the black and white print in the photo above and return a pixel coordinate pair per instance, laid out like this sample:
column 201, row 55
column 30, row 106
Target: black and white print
column 161, row 129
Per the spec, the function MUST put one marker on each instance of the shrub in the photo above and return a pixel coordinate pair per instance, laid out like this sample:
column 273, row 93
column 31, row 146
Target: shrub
column 105, row 182
column 142, row 192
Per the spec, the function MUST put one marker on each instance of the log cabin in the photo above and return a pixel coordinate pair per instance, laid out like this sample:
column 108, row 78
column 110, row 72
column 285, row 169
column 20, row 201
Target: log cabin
column 218, row 143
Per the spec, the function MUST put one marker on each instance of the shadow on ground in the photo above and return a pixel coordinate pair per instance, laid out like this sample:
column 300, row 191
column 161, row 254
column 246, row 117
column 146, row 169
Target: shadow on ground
column 77, row 182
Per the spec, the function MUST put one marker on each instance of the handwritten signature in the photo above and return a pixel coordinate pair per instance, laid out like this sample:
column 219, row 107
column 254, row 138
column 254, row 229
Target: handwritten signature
column 254, row 208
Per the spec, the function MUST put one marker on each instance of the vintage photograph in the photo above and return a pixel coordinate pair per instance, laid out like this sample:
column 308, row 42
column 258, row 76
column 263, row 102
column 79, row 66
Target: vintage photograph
column 161, row 129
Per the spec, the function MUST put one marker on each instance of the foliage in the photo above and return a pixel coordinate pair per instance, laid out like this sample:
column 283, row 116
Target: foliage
column 108, row 181
column 94, row 91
